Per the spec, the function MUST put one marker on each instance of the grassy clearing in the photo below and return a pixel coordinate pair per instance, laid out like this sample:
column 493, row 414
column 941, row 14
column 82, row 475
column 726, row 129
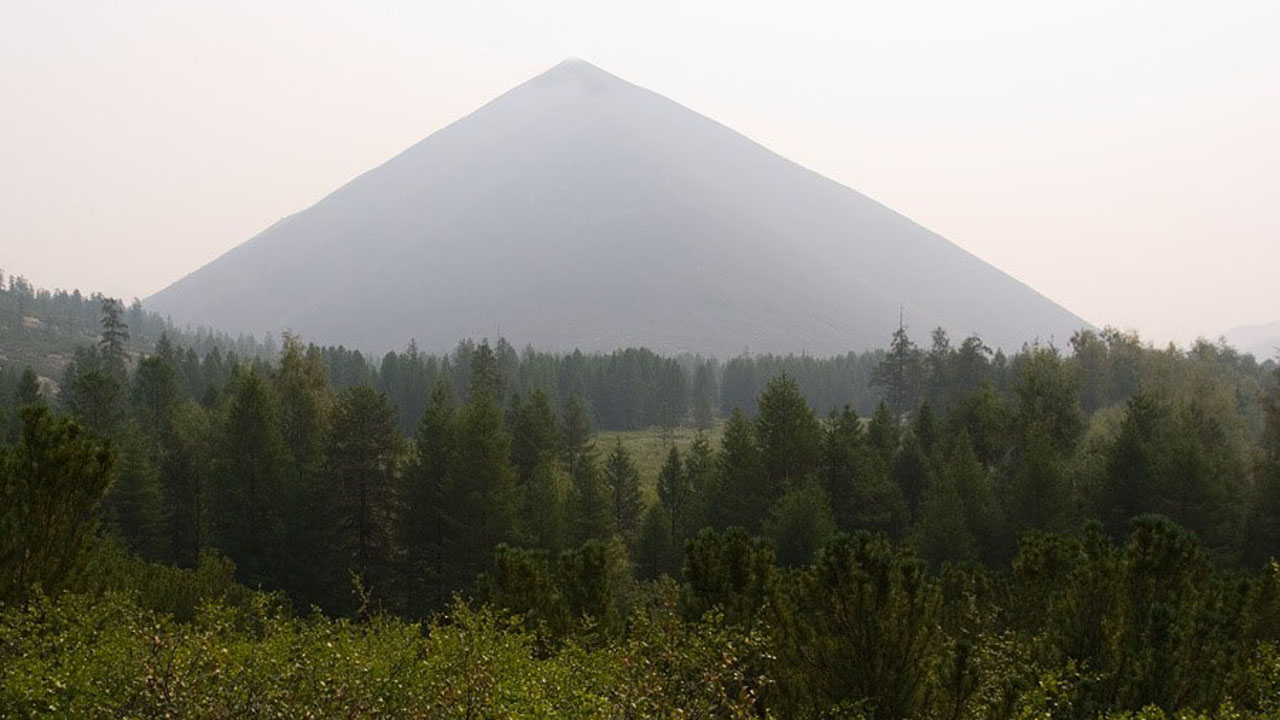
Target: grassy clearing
column 649, row 448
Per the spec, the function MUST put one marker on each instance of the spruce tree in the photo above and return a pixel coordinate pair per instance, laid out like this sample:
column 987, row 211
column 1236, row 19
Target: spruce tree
column 249, row 482
column 364, row 455
column 591, row 510
column 622, row 481
column 655, row 553
column 742, row 494
column 800, row 523
column 480, row 496
column 111, row 344
column 578, row 435
column 674, row 492
column 535, row 437
column 429, row 525
column 900, row 373
column 701, row 470
column 883, row 433
column 28, row 392
column 704, row 396
column 305, row 402
column 944, row 534
column 788, row 434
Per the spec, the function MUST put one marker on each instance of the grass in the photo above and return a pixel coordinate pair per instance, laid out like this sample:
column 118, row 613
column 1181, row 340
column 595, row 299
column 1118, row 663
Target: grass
column 649, row 448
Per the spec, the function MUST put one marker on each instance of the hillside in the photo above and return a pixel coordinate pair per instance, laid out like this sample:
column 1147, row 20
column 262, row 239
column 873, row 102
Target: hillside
column 578, row 210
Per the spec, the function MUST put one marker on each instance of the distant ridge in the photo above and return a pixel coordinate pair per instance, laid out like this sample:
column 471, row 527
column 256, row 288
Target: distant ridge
column 580, row 211
column 1263, row 341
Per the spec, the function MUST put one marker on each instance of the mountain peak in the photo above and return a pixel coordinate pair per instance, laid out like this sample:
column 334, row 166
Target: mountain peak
column 579, row 210
column 579, row 71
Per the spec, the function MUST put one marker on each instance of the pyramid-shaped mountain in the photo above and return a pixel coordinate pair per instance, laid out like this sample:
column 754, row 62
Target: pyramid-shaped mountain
column 578, row 210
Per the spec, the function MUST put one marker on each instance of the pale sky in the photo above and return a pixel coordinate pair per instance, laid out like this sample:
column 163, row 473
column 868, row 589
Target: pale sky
column 1123, row 158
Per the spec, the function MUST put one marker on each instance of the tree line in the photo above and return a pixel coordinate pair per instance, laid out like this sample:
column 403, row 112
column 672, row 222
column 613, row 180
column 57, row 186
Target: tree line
column 1091, row 532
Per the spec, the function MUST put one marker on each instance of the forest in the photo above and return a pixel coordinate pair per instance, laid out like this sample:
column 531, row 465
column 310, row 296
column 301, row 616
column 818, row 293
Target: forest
column 924, row 531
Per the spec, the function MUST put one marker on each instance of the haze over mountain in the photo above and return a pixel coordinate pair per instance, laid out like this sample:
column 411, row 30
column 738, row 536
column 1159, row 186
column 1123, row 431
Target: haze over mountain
column 578, row 210
column 1261, row 340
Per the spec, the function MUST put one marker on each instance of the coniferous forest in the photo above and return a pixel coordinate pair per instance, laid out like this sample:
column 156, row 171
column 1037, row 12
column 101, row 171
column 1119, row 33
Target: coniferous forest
column 191, row 527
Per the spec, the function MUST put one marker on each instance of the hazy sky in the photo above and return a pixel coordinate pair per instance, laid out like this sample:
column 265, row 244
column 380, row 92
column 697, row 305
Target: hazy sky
column 1121, row 157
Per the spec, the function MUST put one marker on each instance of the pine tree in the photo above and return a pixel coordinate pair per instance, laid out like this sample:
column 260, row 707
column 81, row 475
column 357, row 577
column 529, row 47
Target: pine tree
column 590, row 503
column 51, row 482
column 900, row 373
column 913, row 471
column 857, row 481
column 115, row 333
column 788, row 434
column 1048, row 395
column 701, row 470
column 800, row 523
column 944, row 534
column 305, row 402
column 578, row 435
column 622, row 480
column 742, row 494
column 429, row 528
column 135, row 507
column 535, row 438
column 938, row 370
column 364, row 454
column 187, row 476
column 480, row 495
column 972, row 482
column 1036, row 494
column 486, row 378
column 154, row 394
column 704, row 396
column 92, row 394
column 544, row 508
column 249, row 485
column 1263, row 513
column 655, row 553
column 28, row 392
column 674, row 492
column 729, row 572
column 883, row 433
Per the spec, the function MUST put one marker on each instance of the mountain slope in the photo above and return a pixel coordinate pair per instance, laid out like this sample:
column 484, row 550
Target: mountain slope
column 1261, row 340
column 578, row 210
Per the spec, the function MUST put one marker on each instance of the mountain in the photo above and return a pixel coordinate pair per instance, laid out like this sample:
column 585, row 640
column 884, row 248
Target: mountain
column 579, row 210
column 1261, row 340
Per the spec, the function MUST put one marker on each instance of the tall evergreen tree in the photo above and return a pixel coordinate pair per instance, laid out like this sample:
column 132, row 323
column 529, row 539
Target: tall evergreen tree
column 429, row 525
column 51, row 482
column 305, row 402
column 364, row 454
column 578, row 434
column 28, row 391
column 788, row 434
column 883, row 433
column 115, row 333
column 705, row 393
column 900, row 373
column 702, row 472
column 800, row 523
column 742, row 494
column 590, row 503
column 863, row 496
column 480, row 495
column 622, row 480
column 535, row 437
column 674, row 493
column 249, row 484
